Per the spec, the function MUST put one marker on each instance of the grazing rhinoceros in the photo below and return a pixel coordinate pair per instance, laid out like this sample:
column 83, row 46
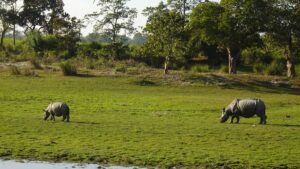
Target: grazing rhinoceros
column 57, row 109
column 245, row 108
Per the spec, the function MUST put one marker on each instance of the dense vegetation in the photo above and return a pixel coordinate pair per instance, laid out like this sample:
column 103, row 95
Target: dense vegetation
column 233, row 35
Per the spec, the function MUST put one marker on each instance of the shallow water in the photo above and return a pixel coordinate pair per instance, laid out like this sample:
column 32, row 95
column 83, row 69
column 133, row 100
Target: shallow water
column 12, row 164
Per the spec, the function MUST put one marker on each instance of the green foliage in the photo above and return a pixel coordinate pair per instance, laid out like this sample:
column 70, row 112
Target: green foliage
column 277, row 67
column 200, row 68
column 259, row 68
column 223, row 69
column 165, row 35
column 252, row 56
column 112, row 18
column 68, row 69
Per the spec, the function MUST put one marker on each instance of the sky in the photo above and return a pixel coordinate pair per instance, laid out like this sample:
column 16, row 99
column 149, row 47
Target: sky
column 79, row 8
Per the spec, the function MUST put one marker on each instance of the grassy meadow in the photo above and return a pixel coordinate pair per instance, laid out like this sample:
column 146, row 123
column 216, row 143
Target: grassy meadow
column 116, row 120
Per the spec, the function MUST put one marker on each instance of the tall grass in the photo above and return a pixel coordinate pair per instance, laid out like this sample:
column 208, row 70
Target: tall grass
column 68, row 69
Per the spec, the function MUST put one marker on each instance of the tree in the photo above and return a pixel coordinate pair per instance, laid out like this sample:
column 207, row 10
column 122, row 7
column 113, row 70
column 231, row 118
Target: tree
column 284, row 29
column 164, row 33
column 8, row 17
column 112, row 19
column 33, row 14
column 47, row 15
column 232, row 25
column 183, row 6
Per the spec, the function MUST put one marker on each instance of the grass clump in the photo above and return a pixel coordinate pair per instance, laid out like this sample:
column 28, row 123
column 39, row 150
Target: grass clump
column 200, row 68
column 35, row 63
column 224, row 69
column 14, row 70
column 68, row 69
column 29, row 72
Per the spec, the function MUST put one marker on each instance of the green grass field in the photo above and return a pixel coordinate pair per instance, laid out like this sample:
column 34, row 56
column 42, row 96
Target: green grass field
column 116, row 121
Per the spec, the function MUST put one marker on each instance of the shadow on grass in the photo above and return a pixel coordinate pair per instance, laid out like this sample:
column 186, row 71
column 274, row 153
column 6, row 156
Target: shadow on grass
column 83, row 122
column 84, row 75
column 284, row 125
column 246, row 83
column 268, row 124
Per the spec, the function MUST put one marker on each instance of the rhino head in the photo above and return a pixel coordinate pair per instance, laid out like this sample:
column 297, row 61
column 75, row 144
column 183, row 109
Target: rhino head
column 46, row 114
column 225, row 116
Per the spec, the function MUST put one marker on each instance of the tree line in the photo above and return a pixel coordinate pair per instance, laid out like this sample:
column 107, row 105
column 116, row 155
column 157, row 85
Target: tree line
column 263, row 33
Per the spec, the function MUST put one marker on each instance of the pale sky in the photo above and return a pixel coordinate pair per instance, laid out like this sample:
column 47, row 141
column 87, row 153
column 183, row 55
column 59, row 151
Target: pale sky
column 79, row 8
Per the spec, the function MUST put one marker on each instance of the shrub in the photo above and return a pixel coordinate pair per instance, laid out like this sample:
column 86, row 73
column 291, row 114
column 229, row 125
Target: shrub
column 254, row 56
column 259, row 68
column 29, row 72
column 14, row 70
column 35, row 63
column 68, row 69
column 297, row 70
column 277, row 67
column 200, row 68
column 224, row 69
column 120, row 68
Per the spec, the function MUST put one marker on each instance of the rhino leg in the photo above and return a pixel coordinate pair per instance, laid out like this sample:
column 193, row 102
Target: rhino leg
column 263, row 119
column 232, row 118
column 237, row 119
column 64, row 118
column 52, row 117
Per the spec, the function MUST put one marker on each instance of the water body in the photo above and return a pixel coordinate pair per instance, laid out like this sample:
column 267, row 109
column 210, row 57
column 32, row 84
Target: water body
column 24, row 164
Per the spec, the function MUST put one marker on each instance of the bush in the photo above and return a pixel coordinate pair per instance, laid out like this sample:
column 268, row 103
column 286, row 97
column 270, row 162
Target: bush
column 14, row 70
column 68, row 69
column 120, row 68
column 224, row 69
column 255, row 56
column 200, row 68
column 35, row 64
column 259, row 68
column 277, row 67
column 29, row 72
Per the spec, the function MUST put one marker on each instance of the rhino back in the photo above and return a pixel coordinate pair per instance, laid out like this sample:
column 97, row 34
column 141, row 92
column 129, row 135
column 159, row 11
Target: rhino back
column 59, row 108
column 232, row 106
column 247, row 107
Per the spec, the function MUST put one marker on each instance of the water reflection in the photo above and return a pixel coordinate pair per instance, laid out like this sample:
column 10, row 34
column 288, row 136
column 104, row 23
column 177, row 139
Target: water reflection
column 12, row 164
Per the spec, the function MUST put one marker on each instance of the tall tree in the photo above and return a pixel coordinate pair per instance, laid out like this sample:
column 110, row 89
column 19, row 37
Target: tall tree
column 232, row 25
column 7, row 18
column 33, row 14
column 165, row 34
column 284, row 29
column 47, row 15
column 184, row 6
column 112, row 19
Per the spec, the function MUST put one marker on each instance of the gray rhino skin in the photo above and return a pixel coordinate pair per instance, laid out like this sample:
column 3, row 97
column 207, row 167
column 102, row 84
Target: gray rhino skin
column 245, row 108
column 57, row 109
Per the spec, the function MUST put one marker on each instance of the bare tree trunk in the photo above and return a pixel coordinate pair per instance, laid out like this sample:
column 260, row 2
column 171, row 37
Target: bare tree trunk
column 2, row 37
column 167, row 62
column 291, row 73
column 14, row 34
column 232, row 62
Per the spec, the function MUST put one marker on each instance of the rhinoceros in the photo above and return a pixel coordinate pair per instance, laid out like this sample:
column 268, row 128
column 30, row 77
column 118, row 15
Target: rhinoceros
column 57, row 109
column 245, row 108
